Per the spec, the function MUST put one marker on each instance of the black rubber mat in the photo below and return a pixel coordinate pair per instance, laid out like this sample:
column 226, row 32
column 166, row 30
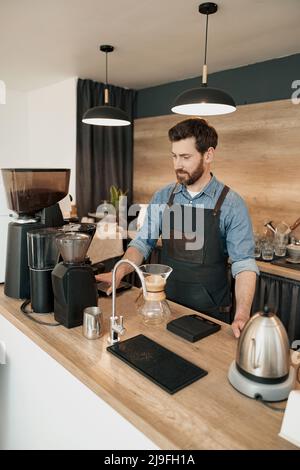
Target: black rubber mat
column 163, row 367
column 193, row 327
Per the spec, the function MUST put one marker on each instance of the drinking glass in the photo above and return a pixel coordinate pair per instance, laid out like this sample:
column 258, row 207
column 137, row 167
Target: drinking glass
column 257, row 246
column 267, row 250
column 279, row 248
column 280, row 243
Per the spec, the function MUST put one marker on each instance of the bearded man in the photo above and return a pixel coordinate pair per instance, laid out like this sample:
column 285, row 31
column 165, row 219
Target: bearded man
column 219, row 227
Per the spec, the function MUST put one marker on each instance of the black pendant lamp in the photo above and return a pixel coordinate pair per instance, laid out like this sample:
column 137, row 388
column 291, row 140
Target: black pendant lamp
column 204, row 101
column 106, row 115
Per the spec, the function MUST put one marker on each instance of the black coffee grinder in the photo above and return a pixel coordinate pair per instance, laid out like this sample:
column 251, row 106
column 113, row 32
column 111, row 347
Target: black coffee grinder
column 43, row 256
column 73, row 280
column 33, row 195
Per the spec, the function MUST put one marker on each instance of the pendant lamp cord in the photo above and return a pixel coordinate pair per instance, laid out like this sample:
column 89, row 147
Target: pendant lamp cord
column 106, row 96
column 106, row 80
column 204, row 71
column 205, row 52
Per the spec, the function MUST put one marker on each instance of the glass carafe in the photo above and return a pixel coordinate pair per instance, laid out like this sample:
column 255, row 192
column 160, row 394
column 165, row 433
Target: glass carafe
column 155, row 308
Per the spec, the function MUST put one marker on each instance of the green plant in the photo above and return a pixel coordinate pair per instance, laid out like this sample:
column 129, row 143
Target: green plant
column 115, row 194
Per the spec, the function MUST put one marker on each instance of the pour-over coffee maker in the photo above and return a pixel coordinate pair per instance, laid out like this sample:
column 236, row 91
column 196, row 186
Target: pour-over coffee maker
column 155, row 308
column 33, row 195
column 73, row 280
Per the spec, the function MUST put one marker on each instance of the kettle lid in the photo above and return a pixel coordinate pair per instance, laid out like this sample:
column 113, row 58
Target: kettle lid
column 266, row 312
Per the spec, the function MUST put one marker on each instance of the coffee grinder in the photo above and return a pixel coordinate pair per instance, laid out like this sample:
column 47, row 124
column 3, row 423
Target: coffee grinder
column 33, row 195
column 73, row 280
column 43, row 256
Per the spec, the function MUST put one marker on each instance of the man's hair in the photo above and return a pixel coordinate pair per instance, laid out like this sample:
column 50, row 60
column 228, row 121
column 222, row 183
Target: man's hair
column 205, row 135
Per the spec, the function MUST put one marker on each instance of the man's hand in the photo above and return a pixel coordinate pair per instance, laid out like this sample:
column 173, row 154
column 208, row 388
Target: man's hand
column 132, row 254
column 238, row 323
column 107, row 277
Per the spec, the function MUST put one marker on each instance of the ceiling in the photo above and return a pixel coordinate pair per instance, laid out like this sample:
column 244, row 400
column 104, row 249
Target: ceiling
column 156, row 41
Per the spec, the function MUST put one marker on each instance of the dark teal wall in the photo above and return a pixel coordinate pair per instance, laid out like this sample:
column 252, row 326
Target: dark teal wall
column 264, row 81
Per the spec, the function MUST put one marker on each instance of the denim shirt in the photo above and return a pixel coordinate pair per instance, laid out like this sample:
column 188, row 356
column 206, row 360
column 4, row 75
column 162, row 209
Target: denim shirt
column 235, row 223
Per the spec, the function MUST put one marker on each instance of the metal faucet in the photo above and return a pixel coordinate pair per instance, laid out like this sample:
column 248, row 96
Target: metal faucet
column 116, row 324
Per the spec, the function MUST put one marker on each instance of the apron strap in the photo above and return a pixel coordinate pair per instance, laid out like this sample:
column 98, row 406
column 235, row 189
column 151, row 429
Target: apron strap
column 218, row 205
column 172, row 195
column 221, row 200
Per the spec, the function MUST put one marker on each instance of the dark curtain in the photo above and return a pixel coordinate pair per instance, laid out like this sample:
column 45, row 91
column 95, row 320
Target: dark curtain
column 283, row 298
column 104, row 155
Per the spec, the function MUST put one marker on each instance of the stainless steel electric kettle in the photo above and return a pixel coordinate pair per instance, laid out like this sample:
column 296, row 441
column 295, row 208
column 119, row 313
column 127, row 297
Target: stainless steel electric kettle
column 263, row 349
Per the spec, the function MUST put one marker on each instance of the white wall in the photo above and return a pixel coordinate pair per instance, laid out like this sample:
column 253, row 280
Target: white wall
column 38, row 129
column 13, row 153
column 52, row 127
column 14, row 130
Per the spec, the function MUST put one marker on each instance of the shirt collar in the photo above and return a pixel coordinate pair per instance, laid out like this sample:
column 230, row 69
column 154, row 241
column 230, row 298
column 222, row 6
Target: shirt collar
column 209, row 189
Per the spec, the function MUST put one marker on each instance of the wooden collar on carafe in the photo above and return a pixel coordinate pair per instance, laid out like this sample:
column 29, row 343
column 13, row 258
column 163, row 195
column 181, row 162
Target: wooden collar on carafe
column 155, row 285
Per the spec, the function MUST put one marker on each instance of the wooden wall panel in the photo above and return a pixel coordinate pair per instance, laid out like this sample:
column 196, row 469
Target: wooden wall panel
column 258, row 156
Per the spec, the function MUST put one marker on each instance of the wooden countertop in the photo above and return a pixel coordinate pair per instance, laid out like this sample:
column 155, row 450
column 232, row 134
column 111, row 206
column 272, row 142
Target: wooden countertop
column 278, row 270
column 209, row 414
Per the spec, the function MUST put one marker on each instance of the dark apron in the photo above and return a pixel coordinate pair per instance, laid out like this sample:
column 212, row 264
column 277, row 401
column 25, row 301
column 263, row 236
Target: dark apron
column 200, row 277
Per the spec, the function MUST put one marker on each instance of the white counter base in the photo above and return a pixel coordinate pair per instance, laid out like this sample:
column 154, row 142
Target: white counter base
column 43, row 406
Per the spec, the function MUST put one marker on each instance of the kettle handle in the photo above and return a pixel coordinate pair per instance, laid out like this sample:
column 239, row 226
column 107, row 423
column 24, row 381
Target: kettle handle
column 254, row 362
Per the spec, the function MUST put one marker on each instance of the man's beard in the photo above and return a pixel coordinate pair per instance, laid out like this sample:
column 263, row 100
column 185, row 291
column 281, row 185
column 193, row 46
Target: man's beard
column 183, row 177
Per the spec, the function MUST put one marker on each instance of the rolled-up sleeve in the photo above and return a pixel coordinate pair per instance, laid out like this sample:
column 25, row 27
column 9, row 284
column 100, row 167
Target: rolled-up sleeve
column 244, row 265
column 146, row 238
column 239, row 237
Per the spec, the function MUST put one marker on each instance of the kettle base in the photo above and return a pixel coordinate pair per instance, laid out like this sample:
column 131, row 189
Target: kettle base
column 267, row 392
